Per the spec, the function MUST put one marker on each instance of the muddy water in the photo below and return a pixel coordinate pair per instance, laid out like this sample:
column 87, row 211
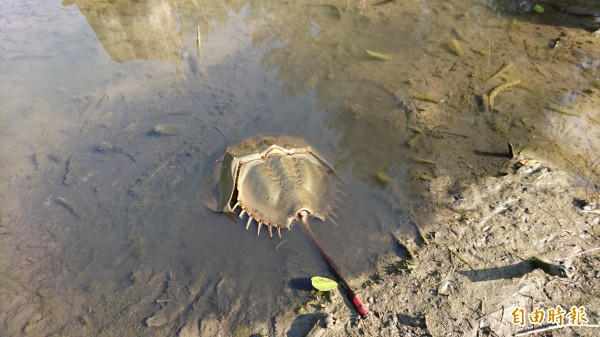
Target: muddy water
column 104, row 225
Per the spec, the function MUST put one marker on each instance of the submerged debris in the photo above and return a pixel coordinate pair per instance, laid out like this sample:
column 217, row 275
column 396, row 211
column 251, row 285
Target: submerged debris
column 424, row 161
column 378, row 56
column 383, row 178
column 456, row 48
column 499, row 89
column 485, row 102
column 335, row 10
column 8, row 282
column 138, row 247
column 105, row 147
column 156, row 320
column 425, row 176
column 56, row 157
column 167, row 129
column 500, row 71
column 427, row 98
column 198, row 37
column 70, row 206
column 412, row 141
column 562, row 110
column 72, row 169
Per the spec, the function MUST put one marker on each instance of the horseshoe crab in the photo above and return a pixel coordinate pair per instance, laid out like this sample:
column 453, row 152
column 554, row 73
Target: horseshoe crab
column 276, row 180
column 273, row 180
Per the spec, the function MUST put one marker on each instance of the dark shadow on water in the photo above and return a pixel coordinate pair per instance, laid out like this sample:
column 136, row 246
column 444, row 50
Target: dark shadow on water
column 302, row 284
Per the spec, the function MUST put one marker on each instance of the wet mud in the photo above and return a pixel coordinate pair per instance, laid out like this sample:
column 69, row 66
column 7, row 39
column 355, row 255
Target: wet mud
column 467, row 133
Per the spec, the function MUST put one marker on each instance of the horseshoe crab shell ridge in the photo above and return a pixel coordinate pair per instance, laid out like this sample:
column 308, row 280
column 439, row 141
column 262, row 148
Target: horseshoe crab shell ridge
column 273, row 179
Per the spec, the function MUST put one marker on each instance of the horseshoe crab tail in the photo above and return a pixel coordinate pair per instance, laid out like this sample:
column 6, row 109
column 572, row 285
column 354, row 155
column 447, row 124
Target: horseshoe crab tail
column 356, row 300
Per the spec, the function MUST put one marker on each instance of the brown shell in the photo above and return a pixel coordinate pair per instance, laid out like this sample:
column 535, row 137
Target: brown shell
column 273, row 179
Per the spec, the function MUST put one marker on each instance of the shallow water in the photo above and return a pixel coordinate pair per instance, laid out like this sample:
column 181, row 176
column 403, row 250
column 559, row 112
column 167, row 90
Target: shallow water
column 104, row 216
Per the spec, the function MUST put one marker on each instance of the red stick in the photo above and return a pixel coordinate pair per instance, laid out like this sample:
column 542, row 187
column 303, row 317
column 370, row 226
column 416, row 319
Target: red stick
column 352, row 296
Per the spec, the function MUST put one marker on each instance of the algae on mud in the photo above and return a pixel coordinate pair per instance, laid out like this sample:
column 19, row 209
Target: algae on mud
column 456, row 48
column 378, row 56
column 383, row 178
column 167, row 129
column 72, row 170
column 138, row 248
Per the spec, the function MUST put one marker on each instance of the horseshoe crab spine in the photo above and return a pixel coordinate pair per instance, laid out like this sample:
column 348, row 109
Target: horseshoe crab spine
column 260, row 222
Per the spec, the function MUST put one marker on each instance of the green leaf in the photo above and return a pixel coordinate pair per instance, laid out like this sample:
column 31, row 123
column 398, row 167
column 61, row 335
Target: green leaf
column 538, row 8
column 323, row 283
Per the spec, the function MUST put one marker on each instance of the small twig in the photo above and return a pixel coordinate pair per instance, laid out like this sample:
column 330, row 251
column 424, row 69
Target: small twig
column 427, row 98
column 552, row 327
column 460, row 258
column 279, row 244
column 580, row 253
column 198, row 37
column 496, row 210
column 445, row 133
column 501, row 317
column 450, row 271
column 378, row 56
column 562, row 110
column 503, row 69
column 316, row 26
column 489, row 54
